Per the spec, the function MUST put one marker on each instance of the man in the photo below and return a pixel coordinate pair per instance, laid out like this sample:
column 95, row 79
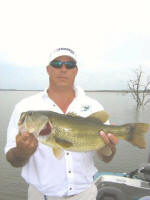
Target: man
column 49, row 178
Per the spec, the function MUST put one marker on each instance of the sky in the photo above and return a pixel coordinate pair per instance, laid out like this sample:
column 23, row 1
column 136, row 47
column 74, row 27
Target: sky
column 110, row 37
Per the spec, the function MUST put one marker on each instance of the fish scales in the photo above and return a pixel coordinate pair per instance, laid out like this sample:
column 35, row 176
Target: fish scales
column 85, row 138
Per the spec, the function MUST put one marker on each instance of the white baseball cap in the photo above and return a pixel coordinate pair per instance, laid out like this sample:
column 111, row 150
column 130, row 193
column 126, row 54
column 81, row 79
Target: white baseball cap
column 62, row 52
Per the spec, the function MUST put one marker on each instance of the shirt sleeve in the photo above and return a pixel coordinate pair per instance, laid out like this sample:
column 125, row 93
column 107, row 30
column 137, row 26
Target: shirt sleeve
column 12, row 130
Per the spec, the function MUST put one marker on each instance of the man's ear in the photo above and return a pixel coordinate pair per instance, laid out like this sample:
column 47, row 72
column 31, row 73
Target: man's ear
column 77, row 70
column 48, row 69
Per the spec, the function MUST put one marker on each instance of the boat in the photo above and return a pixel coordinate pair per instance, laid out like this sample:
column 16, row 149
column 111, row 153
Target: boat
column 134, row 185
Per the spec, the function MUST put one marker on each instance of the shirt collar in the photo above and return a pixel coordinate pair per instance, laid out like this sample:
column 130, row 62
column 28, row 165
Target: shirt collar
column 44, row 93
column 79, row 91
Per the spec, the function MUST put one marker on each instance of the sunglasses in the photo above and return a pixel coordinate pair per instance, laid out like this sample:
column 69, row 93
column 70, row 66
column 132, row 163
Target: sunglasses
column 58, row 64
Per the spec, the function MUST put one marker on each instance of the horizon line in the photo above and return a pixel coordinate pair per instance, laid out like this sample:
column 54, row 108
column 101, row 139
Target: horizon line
column 84, row 90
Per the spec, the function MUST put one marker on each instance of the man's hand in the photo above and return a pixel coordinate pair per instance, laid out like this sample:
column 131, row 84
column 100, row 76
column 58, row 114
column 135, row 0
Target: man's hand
column 109, row 139
column 26, row 145
column 108, row 151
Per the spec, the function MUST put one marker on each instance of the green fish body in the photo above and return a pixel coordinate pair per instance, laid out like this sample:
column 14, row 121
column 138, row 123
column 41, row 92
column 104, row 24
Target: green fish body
column 75, row 133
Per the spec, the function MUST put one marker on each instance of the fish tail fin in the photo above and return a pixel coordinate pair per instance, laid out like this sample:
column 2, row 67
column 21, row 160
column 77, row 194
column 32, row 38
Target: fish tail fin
column 136, row 132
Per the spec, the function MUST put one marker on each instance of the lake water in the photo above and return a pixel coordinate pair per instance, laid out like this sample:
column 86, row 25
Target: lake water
column 122, row 109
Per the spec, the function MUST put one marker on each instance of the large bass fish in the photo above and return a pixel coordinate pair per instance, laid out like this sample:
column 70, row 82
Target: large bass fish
column 75, row 133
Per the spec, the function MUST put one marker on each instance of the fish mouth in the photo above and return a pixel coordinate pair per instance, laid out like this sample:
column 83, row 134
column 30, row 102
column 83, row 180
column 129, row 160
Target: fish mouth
column 46, row 130
column 22, row 119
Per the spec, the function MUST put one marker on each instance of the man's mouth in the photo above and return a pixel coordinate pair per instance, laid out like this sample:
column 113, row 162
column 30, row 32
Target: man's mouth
column 63, row 77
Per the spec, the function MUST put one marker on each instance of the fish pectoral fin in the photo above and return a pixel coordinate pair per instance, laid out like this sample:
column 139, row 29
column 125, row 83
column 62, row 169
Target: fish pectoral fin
column 102, row 116
column 63, row 143
column 59, row 153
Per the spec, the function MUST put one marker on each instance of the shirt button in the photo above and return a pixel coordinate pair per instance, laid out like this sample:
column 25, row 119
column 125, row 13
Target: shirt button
column 54, row 105
column 67, row 153
column 70, row 188
column 69, row 171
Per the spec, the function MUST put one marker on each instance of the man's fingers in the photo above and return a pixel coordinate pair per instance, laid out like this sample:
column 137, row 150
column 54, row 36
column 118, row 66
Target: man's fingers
column 109, row 138
column 34, row 144
column 26, row 139
column 30, row 140
column 104, row 136
column 113, row 139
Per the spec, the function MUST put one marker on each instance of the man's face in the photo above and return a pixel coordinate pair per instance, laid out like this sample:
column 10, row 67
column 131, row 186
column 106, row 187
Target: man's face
column 62, row 77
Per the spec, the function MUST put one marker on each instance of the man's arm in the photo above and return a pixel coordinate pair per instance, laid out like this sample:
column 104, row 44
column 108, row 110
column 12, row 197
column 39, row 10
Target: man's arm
column 26, row 145
column 108, row 151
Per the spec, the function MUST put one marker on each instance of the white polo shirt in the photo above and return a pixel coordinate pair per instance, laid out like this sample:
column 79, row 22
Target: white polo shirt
column 74, row 172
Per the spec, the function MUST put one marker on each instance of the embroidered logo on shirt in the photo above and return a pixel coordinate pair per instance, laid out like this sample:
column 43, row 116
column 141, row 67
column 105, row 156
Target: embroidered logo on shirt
column 85, row 108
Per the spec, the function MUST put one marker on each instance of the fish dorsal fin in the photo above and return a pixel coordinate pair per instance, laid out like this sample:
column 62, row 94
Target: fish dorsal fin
column 58, row 152
column 63, row 143
column 100, row 115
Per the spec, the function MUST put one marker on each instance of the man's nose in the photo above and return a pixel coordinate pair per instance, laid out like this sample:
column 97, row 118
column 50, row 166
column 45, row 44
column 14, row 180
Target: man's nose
column 63, row 68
